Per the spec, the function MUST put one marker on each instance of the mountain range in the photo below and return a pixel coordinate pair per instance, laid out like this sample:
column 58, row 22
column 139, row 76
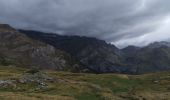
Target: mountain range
column 79, row 54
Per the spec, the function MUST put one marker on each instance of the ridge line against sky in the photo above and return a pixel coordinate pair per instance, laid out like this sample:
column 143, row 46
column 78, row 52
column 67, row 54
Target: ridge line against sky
column 121, row 22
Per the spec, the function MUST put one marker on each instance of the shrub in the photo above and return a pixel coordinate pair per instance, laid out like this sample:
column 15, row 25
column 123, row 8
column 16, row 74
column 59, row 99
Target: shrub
column 33, row 70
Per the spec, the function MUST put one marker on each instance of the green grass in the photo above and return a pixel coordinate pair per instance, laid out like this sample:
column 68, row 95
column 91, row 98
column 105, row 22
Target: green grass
column 88, row 96
column 73, row 86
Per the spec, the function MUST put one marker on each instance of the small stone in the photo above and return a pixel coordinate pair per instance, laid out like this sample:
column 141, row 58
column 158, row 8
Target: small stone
column 156, row 81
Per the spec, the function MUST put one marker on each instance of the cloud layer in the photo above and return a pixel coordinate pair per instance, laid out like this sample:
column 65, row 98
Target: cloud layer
column 122, row 22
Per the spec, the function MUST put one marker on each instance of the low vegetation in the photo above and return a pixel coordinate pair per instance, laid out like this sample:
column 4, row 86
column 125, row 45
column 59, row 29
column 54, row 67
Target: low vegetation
column 18, row 84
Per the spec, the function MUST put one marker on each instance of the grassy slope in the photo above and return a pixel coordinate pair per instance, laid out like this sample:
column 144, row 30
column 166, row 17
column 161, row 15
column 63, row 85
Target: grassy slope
column 72, row 86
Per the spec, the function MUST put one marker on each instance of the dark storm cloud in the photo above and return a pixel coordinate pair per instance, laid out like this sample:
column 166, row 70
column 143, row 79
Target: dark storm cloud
column 122, row 22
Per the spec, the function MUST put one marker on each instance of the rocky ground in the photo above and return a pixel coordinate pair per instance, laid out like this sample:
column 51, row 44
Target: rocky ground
column 26, row 84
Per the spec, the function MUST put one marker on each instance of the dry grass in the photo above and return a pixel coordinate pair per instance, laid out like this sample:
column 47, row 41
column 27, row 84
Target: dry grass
column 17, row 96
column 71, row 86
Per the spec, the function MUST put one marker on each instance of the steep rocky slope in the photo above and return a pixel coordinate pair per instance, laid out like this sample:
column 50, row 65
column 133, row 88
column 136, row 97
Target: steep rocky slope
column 152, row 58
column 96, row 55
column 101, row 57
column 20, row 50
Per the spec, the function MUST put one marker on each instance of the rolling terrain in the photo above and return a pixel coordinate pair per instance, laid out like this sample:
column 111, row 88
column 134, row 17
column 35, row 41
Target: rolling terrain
column 18, row 84
column 40, row 66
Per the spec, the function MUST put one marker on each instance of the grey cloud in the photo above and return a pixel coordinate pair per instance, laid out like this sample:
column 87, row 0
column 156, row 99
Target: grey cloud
column 116, row 21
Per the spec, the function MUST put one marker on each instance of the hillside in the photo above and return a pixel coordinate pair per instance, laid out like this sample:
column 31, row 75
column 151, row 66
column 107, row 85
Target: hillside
column 94, row 54
column 20, row 50
column 79, row 54
column 22, row 54
column 19, row 84
column 100, row 57
column 152, row 58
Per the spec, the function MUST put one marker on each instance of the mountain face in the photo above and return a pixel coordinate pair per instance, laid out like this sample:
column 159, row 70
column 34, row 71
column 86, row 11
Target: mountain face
column 98, row 56
column 52, row 51
column 152, row 58
column 159, row 45
column 20, row 50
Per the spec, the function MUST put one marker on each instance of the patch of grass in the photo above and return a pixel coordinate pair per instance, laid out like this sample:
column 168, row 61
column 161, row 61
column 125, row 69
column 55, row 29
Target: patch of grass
column 20, row 96
column 89, row 96
column 81, row 86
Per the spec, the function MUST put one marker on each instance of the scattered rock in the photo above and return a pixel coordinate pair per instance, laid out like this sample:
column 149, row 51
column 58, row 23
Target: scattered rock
column 40, row 78
column 37, row 77
column 156, row 81
column 42, row 86
column 7, row 84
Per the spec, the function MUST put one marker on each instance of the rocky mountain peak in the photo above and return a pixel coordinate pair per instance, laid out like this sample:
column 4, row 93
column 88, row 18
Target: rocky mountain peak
column 159, row 44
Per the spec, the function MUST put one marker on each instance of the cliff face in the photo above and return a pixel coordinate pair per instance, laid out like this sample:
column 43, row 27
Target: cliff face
column 16, row 48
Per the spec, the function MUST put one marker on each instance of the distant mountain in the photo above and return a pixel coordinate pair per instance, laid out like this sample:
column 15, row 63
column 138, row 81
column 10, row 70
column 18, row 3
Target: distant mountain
column 20, row 50
column 152, row 58
column 101, row 57
column 159, row 44
column 96, row 55
column 130, row 50
column 75, row 53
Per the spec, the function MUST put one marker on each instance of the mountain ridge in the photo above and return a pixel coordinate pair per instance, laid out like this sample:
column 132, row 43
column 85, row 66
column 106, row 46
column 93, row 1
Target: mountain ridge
column 20, row 50
column 84, row 49
column 79, row 54
column 102, row 57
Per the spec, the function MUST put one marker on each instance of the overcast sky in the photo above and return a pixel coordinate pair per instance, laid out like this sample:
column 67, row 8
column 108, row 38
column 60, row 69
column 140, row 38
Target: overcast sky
column 121, row 22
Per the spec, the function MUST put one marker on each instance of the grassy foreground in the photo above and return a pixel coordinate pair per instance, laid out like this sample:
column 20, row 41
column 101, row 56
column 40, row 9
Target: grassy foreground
column 71, row 86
